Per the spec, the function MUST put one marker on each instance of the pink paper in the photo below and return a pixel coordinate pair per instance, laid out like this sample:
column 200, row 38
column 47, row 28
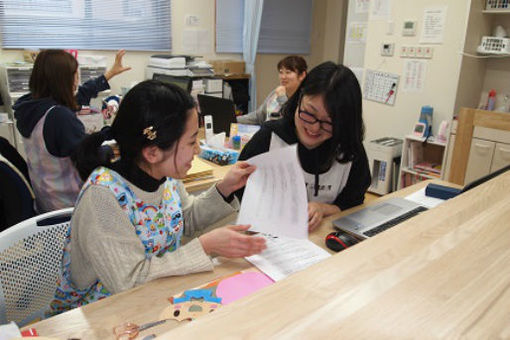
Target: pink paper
column 236, row 287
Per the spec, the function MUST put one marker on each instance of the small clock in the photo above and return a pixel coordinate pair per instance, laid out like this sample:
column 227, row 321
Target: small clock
column 419, row 129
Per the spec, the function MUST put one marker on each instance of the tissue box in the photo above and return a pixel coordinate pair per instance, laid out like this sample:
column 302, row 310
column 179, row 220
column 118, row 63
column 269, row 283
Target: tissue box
column 217, row 156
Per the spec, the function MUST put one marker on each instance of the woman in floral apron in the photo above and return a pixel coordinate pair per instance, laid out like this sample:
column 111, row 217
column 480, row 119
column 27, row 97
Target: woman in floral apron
column 131, row 215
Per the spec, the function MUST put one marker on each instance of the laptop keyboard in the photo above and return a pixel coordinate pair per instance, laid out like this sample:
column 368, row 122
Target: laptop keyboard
column 394, row 222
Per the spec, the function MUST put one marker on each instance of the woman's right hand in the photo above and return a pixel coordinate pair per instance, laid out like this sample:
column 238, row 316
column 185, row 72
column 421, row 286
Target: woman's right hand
column 228, row 241
column 280, row 91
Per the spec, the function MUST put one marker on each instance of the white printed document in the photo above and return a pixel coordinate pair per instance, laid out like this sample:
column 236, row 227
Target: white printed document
column 284, row 256
column 274, row 200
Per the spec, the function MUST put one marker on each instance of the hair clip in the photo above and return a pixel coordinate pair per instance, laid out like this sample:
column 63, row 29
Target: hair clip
column 150, row 133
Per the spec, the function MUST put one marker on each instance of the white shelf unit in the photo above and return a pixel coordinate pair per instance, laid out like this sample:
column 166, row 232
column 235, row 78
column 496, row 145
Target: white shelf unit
column 480, row 75
column 417, row 153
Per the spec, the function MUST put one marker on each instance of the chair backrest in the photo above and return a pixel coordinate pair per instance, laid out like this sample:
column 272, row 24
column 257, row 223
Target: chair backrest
column 16, row 195
column 30, row 263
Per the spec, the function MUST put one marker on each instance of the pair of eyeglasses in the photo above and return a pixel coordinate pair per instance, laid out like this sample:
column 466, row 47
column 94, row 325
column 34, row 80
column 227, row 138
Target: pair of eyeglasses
column 309, row 118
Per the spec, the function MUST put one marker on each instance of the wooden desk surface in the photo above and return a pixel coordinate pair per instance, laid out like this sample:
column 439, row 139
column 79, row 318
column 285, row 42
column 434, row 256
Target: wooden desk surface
column 443, row 273
column 218, row 172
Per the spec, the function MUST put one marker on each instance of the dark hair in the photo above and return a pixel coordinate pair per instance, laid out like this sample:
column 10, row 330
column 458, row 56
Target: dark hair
column 342, row 99
column 294, row 63
column 53, row 76
column 151, row 113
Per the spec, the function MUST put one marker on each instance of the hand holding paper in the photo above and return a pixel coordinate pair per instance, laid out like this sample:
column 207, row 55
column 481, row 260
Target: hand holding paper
column 274, row 201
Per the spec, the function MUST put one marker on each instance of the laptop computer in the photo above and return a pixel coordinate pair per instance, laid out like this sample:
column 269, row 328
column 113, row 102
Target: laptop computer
column 222, row 112
column 374, row 219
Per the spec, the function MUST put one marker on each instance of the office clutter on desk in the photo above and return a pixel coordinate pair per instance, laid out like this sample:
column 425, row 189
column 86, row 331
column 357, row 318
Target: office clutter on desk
column 220, row 156
column 226, row 66
column 177, row 65
column 199, row 170
column 244, row 132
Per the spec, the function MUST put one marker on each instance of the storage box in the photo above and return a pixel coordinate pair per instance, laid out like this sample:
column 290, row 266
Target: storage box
column 227, row 66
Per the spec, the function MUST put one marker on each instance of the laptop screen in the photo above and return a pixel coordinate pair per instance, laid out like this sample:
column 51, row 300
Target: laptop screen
column 183, row 82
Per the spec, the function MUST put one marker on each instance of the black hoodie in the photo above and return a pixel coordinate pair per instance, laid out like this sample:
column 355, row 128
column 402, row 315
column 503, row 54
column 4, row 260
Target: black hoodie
column 314, row 161
column 62, row 130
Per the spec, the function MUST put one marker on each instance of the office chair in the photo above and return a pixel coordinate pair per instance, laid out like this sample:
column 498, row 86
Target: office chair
column 30, row 263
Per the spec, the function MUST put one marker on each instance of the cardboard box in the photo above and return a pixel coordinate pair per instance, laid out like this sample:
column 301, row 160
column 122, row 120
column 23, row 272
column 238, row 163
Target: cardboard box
column 227, row 66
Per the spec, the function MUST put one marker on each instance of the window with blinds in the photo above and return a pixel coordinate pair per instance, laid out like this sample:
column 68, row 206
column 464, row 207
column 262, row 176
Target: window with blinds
column 143, row 25
column 285, row 27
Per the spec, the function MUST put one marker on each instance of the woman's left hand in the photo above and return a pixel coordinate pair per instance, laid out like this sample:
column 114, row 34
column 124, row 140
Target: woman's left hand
column 315, row 215
column 117, row 67
column 235, row 178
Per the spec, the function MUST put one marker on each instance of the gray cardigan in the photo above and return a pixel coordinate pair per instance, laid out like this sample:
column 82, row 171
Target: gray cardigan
column 261, row 115
column 104, row 245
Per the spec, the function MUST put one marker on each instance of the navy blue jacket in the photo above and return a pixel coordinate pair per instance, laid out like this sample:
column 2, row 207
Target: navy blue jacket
column 62, row 130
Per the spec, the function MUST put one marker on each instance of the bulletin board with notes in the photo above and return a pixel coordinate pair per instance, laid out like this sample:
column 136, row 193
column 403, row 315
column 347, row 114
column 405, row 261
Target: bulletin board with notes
column 380, row 87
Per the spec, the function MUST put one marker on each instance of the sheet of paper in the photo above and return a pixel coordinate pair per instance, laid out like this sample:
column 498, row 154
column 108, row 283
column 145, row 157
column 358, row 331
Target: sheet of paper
column 358, row 72
column 274, row 200
column 433, row 25
column 420, row 198
column 357, row 32
column 414, row 75
column 196, row 41
column 381, row 10
column 285, row 256
column 362, row 6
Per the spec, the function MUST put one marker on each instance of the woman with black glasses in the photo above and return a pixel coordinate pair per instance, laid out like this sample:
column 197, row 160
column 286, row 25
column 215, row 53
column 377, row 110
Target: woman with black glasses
column 324, row 116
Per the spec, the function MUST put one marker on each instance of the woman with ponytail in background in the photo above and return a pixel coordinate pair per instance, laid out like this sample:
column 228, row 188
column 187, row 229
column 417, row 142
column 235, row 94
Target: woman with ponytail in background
column 130, row 215
column 46, row 118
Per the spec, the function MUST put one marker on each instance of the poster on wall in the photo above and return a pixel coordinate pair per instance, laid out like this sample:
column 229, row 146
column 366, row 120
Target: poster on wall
column 361, row 6
column 433, row 25
column 357, row 32
column 381, row 10
column 358, row 72
column 196, row 42
column 414, row 75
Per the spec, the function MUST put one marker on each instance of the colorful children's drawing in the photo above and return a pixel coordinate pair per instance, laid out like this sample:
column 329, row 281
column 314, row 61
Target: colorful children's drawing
column 205, row 299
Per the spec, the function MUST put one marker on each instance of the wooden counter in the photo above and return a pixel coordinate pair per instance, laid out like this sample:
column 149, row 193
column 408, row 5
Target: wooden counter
column 443, row 274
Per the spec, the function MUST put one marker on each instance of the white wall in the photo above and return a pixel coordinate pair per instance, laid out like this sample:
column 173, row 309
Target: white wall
column 442, row 70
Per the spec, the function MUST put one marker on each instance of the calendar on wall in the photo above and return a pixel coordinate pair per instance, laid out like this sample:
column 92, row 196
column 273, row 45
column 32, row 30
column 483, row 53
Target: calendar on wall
column 380, row 87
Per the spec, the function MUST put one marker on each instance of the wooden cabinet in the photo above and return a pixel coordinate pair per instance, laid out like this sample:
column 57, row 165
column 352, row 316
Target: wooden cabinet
column 479, row 145
column 480, row 158
column 501, row 156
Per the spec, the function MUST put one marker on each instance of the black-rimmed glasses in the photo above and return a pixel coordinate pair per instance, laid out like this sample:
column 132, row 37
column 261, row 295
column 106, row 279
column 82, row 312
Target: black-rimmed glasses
column 309, row 118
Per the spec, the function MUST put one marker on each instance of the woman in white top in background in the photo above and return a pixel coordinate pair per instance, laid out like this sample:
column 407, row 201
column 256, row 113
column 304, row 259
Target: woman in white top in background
column 291, row 72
